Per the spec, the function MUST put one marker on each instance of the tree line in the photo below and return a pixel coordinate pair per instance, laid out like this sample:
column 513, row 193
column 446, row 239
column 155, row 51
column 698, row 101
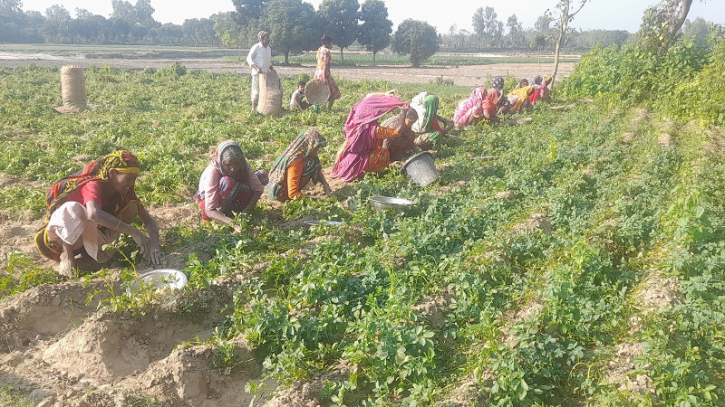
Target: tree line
column 296, row 27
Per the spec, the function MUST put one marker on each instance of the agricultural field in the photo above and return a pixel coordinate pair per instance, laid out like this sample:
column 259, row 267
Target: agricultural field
column 580, row 266
column 462, row 69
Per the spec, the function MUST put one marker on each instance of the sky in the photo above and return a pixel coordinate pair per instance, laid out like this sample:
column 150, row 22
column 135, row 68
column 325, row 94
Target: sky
column 598, row 14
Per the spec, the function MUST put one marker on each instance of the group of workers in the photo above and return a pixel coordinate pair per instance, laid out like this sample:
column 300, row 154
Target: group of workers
column 89, row 210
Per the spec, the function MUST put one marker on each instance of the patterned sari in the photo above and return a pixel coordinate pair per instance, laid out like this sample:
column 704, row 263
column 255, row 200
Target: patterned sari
column 470, row 110
column 122, row 161
column 302, row 146
column 234, row 193
column 360, row 148
column 322, row 73
column 519, row 98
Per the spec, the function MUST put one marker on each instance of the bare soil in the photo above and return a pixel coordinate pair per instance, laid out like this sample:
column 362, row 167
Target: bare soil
column 469, row 75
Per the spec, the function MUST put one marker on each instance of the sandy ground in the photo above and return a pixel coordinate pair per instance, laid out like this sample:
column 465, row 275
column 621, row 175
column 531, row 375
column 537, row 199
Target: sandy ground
column 470, row 75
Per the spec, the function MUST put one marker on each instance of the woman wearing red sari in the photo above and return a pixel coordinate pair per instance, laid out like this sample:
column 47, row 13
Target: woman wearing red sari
column 91, row 208
column 363, row 149
column 324, row 60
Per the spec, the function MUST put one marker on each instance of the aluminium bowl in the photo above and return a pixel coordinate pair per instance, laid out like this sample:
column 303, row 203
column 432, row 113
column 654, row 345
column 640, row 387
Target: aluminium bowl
column 383, row 203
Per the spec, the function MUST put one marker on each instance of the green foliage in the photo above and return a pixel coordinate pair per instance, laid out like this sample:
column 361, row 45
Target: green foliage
column 374, row 32
column 14, row 398
column 339, row 19
column 703, row 97
column 524, row 297
column 292, row 25
column 633, row 75
column 22, row 274
column 417, row 39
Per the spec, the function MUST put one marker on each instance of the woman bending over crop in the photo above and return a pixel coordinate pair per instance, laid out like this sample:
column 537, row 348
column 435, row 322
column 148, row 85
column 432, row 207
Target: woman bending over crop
column 91, row 208
column 470, row 111
column 363, row 149
column 228, row 185
column 297, row 166
column 429, row 128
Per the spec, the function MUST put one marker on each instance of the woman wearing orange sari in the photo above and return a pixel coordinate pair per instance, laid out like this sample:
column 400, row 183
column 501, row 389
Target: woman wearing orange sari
column 363, row 149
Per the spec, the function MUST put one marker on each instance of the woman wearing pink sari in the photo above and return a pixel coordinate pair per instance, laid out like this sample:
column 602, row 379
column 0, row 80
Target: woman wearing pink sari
column 470, row 111
column 363, row 151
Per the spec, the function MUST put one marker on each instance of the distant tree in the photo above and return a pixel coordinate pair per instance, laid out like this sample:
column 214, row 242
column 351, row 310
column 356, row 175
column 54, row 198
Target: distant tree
column 123, row 10
column 588, row 39
column 144, row 13
column 516, row 30
column 660, row 24
column 83, row 14
column 339, row 19
column 199, row 32
column 417, row 39
column 566, row 15
column 539, row 41
column 248, row 10
column 375, row 30
column 57, row 13
column 228, row 30
column 479, row 22
column 543, row 23
column 696, row 31
column 292, row 24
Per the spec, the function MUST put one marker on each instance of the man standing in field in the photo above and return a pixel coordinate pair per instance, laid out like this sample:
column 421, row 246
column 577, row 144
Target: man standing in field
column 260, row 60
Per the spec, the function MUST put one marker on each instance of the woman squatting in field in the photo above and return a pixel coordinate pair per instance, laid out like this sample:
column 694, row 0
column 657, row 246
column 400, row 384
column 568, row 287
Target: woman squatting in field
column 91, row 208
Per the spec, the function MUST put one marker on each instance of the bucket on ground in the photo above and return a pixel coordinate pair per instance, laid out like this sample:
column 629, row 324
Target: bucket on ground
column 421, row 169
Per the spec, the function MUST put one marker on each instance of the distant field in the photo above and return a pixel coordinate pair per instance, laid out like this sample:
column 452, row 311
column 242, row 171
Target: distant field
column 355, row 59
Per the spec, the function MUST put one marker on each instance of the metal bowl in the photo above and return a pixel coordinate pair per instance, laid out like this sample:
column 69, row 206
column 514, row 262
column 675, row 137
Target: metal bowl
column 383, row 203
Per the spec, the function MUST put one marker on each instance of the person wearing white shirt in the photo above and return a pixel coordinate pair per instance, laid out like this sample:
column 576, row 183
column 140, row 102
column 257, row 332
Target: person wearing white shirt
column 260, row 60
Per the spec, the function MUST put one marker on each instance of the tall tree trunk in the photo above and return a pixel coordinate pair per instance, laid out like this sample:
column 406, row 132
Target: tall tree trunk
column 342, row 57
column 286, row 57
column 564, row 19
column 374, row 52
column 563, row 25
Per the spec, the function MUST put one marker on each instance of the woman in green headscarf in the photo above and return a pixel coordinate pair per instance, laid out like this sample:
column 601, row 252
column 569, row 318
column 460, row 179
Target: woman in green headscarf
column 297, row 166
column 429, row 128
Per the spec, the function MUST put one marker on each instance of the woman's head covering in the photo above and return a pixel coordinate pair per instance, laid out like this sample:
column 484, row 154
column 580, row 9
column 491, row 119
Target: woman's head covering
column 549, row 79
column 360, row 134
column 537, row 79
column 219, row 153
column 301, row 147
column 121, row 160
column 497, row 83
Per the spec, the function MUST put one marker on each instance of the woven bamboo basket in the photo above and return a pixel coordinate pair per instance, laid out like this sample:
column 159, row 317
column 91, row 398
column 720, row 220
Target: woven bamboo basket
column 317, row 92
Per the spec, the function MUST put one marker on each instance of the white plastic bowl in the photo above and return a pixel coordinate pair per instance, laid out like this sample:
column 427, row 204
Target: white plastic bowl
column 161, row 279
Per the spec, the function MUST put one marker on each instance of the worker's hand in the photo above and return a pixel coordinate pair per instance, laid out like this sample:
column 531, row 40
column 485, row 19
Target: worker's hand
column 143, row 242
column 155, row 254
